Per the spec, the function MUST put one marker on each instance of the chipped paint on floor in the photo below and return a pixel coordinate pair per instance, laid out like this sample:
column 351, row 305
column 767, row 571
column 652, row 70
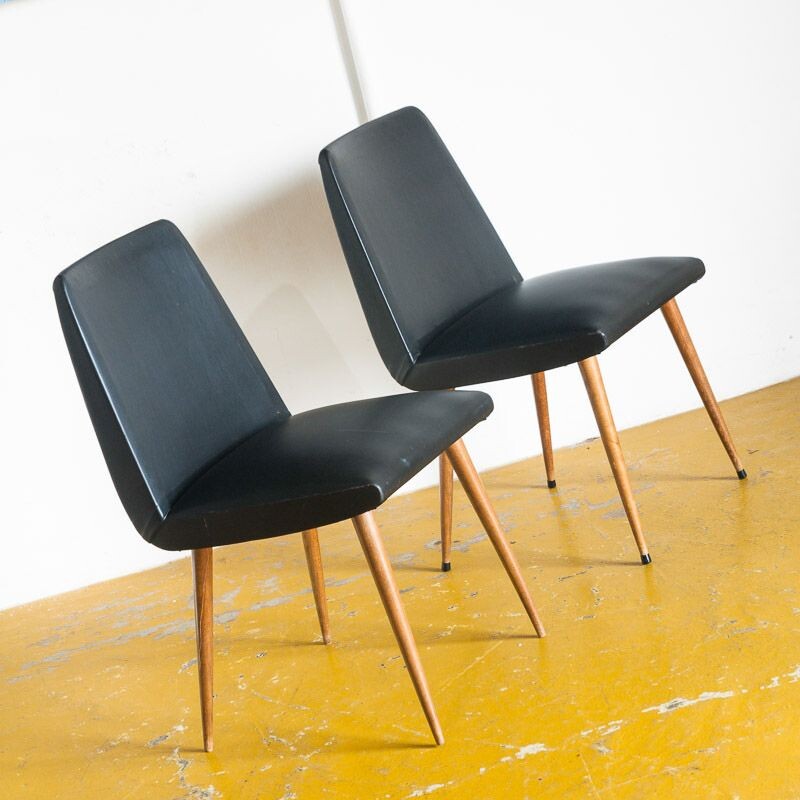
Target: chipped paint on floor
column 677, row 680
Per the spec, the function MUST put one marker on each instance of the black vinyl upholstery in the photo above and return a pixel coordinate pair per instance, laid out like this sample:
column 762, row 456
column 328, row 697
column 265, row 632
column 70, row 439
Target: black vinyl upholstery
column 445, row 304
column 421, row 249
column 550, row 321
column 200, row 446
column 320, row 466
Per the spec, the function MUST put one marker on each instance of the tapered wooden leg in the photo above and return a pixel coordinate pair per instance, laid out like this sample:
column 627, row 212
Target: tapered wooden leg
column 375, row 552
column 593, row 380
column 202, row 563
column 543, row 415
column 679, row 332
column 314, row 562
column 473, row 485
column 446, row 508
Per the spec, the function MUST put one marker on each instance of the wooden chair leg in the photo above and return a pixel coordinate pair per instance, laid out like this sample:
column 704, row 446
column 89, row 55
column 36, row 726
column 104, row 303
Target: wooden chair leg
column 593, row 380
column 473, row 485
column 446, row 508
column 375, row 552
column 543, row 415
column 202, row 564
column 314, row 562
column 679, row 332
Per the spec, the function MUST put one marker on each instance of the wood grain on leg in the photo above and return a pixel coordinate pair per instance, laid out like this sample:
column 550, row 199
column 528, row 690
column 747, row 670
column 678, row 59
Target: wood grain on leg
column 202, row 563
column 446, row 508
column 680, row 333
column 473, row 486
column 590, row 370
column 314, row 562
column 543, row 415
column 375, row 552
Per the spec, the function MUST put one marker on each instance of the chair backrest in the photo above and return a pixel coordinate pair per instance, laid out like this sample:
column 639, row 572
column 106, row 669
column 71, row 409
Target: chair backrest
column 419, row 246
column 170, row 381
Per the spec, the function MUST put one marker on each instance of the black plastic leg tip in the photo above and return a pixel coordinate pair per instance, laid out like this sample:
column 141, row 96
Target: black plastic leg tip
column 646, row 558
column 742, row 473
column 445, row 566
column 551, row 484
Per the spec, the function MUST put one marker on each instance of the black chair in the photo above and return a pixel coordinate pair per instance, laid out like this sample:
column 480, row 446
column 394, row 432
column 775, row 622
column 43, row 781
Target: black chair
column 203, row 452
column 447, row 307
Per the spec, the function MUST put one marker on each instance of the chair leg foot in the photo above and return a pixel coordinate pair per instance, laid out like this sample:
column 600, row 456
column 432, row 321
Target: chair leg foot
column 646, row 559
column 543, row 415
column 590, row 370
column 202, row 566
column 314, row 562
column 680, row 333
column 473, row 485
column 378, row 560
column 446, row 508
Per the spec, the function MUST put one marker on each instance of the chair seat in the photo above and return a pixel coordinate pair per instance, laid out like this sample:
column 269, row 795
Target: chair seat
column 318, row 467
column 549, row 321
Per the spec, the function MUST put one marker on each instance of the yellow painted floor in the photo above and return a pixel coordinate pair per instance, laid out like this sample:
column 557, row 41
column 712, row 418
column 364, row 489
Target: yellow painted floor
column 677, row 680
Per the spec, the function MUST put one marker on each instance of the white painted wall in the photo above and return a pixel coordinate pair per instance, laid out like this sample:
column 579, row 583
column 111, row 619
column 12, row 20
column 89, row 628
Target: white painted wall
column 588, row 134
column 113, row 115
column 597, row 131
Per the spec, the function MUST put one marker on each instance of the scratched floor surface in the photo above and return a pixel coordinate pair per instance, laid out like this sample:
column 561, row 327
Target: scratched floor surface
column 677, row 680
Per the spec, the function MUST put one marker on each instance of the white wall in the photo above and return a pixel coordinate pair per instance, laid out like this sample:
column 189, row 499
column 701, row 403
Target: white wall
column 113, row 115
column 596, row 131
column 588, row 134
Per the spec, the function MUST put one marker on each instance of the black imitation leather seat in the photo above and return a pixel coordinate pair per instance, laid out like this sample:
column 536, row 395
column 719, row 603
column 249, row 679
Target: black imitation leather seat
column 550, row 321
column 446, row 305
column 201, row 448
column 319, row 467
column 203, row 451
